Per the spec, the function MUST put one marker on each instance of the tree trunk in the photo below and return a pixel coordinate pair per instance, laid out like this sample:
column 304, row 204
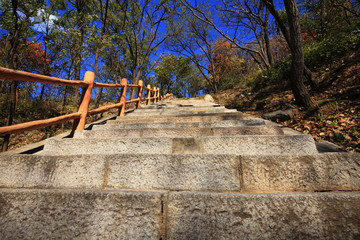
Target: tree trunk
column 42, row 92
column 309, row 76
column 267, row 40
column 136, row 78
column 301, row 94
column 97, row 52
column 97, row 72
column 77, row 77
column 12, row 107
column 2, row 85
column 12, row 64
column 80, row 7
column 270, row 5
column 63, row 100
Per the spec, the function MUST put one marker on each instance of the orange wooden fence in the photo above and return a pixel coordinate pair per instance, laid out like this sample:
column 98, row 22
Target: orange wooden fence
column 153, row 94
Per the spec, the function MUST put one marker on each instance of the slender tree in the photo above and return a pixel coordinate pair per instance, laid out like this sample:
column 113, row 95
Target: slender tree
column 282, row 25
column 194, row 39
column 294, row 41
column 142, row 21
column 297, row 66
column 241, row 16
column 16, row 22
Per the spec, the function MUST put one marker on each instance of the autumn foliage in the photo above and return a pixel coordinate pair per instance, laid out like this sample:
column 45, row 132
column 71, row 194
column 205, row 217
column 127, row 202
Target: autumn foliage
column 227, row 67
column 35, row 58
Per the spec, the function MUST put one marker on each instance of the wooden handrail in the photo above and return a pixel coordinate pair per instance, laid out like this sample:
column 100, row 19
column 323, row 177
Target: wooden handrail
column 153, row 94
column 133, row 85
column 107, row 85
column 133, row 100
column 105, row 108
column 6, row 73
column 22, row 127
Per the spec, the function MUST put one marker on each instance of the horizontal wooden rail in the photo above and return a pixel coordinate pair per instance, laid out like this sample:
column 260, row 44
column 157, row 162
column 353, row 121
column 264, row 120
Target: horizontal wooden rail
column 107, row 85
column 133, row 85
column 133, row 100
column 105, row 108
column 6, row 73
column 22, row 127
column 153, row 94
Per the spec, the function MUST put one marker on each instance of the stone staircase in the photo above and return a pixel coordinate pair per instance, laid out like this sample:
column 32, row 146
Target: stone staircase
column 181, row 169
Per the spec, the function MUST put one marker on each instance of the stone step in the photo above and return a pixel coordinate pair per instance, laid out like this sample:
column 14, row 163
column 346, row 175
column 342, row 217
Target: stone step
column 247, row 145
column 180, row 108
column 99, row 214
column 195, row 172
column 197, row 215
column 225, row 123
column 177, row 106
column 179, row 132
column 122, row 171
column 183, row 118
column 80, row 214
column 179, row 112
column 318, row 172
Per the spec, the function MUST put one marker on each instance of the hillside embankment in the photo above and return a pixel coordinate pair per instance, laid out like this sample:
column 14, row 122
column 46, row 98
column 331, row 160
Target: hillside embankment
column 336, row 118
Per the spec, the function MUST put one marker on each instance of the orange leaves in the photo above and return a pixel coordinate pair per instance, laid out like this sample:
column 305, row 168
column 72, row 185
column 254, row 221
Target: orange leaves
column 340, row 126
column 227, row 64
column 35, row 57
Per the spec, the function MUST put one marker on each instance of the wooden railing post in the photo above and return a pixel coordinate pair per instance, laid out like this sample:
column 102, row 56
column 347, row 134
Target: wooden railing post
column 123, row 97
column 141, row 84
column 84, row 106
column 155, row 94
column 158, row 94
column 149, row 94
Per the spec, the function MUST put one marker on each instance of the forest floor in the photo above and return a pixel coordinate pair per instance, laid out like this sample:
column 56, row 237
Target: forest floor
column 337, row 117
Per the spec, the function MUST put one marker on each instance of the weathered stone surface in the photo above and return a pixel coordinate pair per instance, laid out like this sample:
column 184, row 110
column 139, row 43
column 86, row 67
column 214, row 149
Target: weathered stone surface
column 176, row 109
column 247, row 145
column 179, row 132
column 209, row 98
column 107, row 146
column 259, row 145
column 248, row 130
column 180, row 106
column 31, row 171
column 179, row 113
column 183, row 118
column 75, row 214
column 280, row 115
column 263, row 216
column 227, row 123
column 319, row 172
column 325, row 146
column 107, row 160
column 174, row 172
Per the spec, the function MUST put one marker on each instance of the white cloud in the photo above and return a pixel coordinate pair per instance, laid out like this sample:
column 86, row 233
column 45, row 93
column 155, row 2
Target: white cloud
column 44, row 20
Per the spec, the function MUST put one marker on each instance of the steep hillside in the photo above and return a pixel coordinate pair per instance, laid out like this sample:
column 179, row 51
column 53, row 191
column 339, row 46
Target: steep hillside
column 337, row 118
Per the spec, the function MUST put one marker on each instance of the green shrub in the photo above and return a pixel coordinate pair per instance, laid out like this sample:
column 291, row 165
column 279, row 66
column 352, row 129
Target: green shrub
column 318, row 54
